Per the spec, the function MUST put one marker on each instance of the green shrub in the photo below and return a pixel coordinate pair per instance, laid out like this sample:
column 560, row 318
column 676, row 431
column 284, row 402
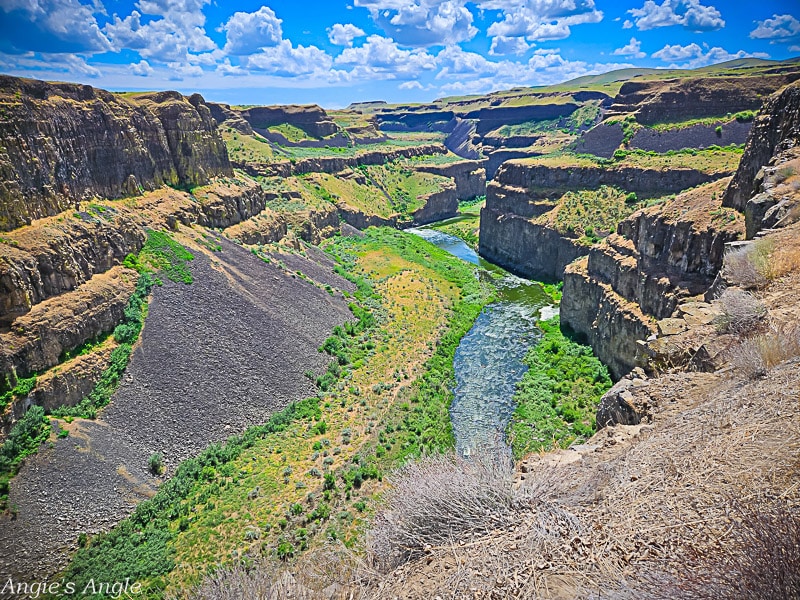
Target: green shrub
column 156, row 463
column 126, row 333
column 23, row 439
column 558, row 395
column 162, row 254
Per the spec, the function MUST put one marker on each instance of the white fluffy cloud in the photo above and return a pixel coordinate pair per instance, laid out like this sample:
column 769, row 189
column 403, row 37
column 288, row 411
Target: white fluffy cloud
column 676, row 52
column 503, row 46
column 632, row 49
column 343, row 35
column 286, row 60
column 66, row 24
column 693, row 56
column 382, row 56
column 247, row 33
column 176, row 30
column 540, row 20
column 422, row 23
column 142, row 68
column 688, row 13
column 779, row 27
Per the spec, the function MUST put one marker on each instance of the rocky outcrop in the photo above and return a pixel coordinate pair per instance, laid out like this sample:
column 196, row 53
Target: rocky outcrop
column 415, row 118
column 224, row 114
column 489, row 119
column 677, row 100
column 525, row 248
column 264, row 228
column 62, row 143
column 69, row 384
column 597, row 314
column 310, row 118
column 37, row 340
column 40, row 263
column 775, row 132
column 659, row 257
column 532, row 176
column 439, row 205
column 336, row 164
column 523, row 190
column 315, row 225
column 469, row 177
column 360, row 220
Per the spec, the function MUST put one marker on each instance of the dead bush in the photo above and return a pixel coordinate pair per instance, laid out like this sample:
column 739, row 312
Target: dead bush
column 756, row 355
column 748, row 267
column 317, row 575
column 257, row 581
column 742, row 312
column 759, row 559
column 440, row 499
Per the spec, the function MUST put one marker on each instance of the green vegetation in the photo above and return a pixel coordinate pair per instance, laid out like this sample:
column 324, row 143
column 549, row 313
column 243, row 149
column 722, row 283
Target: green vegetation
column 584, row 117
column 629, row 127
column 591, row 215
column 24, row 439
column 138, row 547
column 311, row 472
column 291, row 132
column 21, row 389
column 558, row 395
column 714, row 159
column 383, row 190
column 162, row 254
column 126, row 334
column 247, row 148
column 744, row 116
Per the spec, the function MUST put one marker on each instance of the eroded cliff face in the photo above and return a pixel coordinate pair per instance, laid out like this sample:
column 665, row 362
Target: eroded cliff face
column 677, row 100
column 762, row 185
column 659, row 258
column 523, row 190
column 468, row 175
column 526, row 175
column 61, row 283
column 336, row 164
column 63, row 143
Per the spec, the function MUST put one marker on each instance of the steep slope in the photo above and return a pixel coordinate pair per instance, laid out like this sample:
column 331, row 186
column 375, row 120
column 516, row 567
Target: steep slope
column 663, row 256
column 215, row 357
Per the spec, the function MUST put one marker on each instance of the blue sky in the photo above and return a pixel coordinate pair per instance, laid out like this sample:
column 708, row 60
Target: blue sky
column 340, row 51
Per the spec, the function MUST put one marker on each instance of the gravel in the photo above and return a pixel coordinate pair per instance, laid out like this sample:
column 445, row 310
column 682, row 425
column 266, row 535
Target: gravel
column 215, row 357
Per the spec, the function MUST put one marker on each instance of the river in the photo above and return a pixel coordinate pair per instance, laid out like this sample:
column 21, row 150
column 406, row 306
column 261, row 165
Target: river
column 488, row 361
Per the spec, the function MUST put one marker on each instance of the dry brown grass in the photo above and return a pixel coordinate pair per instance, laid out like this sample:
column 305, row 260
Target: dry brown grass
column 760, row 561
column 756, row 355
column 784, row 259
column 747, row 267
column 439, row 499
column 756, row 265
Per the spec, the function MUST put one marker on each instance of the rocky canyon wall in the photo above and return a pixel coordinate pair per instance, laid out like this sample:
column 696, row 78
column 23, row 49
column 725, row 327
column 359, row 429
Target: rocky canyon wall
column 63, row 143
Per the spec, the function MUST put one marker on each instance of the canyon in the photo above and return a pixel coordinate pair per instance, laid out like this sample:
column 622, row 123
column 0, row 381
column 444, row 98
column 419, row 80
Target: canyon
column 635, row 195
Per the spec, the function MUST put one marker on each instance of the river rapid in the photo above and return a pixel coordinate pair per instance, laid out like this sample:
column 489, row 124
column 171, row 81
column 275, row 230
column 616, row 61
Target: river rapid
column 489, row 360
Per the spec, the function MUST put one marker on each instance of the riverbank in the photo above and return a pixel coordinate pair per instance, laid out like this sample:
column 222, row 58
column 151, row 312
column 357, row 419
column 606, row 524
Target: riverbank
column 315, row 471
